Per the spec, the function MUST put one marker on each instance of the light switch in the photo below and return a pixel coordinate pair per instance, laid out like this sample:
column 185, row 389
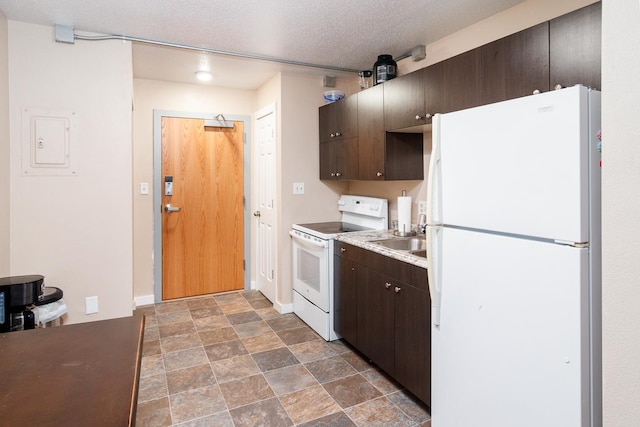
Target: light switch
column 144, row 188
column 298, row 188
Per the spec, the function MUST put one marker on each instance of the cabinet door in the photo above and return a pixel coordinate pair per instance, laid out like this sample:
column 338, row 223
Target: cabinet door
column 375, row 318
column 339, row 159
column 453, row 84
column 575, row 48
column 327, row 161
column 327, row 122
column 344, row 299
column 516, row 65
column 338, row 119
column 404, row 101
column 413, row 340
column 371, row 134
column 346, row 155
column 347, row 117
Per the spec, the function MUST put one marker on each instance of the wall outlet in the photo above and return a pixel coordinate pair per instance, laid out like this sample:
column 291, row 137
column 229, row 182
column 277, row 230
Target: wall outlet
column 91, row 305
column 298, row 188
column 422, row 207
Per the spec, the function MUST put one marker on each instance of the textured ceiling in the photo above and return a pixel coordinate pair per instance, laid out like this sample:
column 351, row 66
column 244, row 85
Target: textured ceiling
column 339, row 33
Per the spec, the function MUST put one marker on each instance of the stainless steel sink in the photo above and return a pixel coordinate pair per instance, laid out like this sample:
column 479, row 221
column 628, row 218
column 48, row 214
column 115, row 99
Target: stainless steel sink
column 421, row 253
column 405, row 244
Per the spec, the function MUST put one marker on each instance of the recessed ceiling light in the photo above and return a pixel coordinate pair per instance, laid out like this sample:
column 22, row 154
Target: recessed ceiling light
column 203, row 76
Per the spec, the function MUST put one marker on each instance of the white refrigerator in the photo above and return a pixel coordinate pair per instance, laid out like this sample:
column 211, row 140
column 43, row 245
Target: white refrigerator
column 514, row 263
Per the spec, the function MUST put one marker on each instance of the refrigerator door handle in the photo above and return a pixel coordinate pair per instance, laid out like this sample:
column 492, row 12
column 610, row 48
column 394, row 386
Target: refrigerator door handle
column 434, row 270
column 434, row 199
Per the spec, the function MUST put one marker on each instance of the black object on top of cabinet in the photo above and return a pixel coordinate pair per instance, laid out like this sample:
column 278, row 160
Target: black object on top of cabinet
column 384, row 69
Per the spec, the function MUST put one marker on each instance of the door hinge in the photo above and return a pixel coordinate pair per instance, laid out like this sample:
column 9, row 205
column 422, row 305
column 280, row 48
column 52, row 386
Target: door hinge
column 244, row 265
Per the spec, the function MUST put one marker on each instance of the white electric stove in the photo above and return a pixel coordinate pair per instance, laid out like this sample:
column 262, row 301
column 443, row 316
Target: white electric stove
column 312, row 249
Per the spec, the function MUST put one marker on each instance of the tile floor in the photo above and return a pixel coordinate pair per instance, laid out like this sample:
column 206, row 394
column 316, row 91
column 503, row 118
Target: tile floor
column 232, row 360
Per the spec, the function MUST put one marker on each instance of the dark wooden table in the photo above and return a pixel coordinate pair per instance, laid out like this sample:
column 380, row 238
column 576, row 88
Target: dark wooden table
column 74, row 375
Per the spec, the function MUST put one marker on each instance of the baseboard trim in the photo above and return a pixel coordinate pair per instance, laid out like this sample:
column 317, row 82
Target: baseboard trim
column 143, row 300
column 283, row 308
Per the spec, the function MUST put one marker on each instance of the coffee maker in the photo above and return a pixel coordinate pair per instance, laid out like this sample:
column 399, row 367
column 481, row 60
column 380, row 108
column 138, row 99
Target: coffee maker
column 18, row 295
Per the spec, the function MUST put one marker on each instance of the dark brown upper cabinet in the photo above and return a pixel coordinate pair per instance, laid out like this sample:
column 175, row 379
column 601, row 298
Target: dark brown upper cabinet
column 339, row 159
column 516, row 65
column 339, row 119
column 404, row 101
column 575, row 48
column 371, row 126
column 453, row 84
column 385, row 156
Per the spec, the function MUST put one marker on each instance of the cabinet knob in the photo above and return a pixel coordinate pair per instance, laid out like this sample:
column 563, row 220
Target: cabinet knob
column 333, row 135
column 338, row 134
column 558, row 87
column 397, row 289
column 387, row 285
column 338, row 174
column 428, row 115
column 343, row 250
column 536, row 92
column 379, row 174
column 419, row 117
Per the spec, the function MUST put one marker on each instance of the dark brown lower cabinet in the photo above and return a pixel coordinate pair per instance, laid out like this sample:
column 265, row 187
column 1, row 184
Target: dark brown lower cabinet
column 382, row 308
column 345, row 298
column 376, row 318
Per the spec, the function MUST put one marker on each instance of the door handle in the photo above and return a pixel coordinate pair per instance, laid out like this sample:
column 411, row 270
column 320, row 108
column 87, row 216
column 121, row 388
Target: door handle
column 256, row 213
column 168, row 208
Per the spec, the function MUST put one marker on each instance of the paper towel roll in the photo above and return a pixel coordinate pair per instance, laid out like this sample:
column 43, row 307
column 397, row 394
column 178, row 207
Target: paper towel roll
column 404, row 214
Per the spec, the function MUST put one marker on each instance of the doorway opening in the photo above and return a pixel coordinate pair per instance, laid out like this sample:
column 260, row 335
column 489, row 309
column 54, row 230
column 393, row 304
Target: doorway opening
column 202, row 241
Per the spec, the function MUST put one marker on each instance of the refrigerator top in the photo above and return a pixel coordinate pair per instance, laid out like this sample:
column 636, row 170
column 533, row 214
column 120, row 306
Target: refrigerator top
column 528, row 166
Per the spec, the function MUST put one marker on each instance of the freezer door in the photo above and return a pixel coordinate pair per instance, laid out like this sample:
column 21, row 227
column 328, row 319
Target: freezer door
column 519, row 166
column 512, row 345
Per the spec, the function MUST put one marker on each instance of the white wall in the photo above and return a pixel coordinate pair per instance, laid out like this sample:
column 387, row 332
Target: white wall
column 620, row 212
column 298, row 155
column 187, row 98
column 74, row 230
column 4, row 149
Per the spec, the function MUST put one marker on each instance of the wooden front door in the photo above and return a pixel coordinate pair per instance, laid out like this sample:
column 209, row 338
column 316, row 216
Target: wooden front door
column 202, row 242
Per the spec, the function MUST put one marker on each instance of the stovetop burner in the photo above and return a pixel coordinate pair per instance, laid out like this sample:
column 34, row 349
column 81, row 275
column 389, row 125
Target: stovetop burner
column 333, row 227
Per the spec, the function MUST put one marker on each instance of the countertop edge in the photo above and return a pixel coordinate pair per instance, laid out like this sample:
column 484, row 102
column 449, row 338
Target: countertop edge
column 366, row 240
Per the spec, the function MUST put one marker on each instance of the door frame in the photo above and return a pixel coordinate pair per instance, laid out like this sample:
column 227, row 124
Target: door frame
column 157, row 191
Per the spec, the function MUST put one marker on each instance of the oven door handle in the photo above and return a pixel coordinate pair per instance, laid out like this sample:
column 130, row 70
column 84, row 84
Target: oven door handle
column 306, row 242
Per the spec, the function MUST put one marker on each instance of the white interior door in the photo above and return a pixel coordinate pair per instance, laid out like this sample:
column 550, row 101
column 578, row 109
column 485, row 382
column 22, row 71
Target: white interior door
column 265, row 214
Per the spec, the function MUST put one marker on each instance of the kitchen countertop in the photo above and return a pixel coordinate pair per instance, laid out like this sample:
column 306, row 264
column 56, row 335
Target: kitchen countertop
column 366, row 240
column 84, row 374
